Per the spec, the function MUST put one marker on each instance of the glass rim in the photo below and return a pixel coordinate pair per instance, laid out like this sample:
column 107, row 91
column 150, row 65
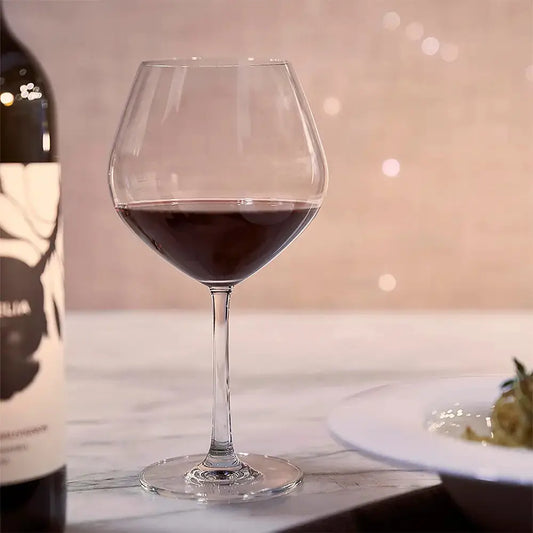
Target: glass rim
column 220, row 62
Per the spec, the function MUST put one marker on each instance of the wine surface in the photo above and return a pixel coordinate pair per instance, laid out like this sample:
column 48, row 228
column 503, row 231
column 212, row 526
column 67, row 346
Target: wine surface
column 218, row 242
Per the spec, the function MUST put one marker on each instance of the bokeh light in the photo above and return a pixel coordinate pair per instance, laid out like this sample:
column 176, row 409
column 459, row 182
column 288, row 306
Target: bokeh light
column 430, row 46
column 387, row 282
column 331, row 106
column 7, row 99
column 391, row 20
column 390, row 167
column 449, row 52
column 414, row 31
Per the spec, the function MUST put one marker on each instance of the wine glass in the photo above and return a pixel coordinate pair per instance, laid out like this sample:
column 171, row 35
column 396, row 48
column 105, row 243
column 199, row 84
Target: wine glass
column 217, row 165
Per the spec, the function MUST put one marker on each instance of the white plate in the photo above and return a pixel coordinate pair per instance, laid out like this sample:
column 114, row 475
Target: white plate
column 420, row 424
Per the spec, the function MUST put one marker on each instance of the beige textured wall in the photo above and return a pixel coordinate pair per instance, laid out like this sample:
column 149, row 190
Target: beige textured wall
column 454, row 228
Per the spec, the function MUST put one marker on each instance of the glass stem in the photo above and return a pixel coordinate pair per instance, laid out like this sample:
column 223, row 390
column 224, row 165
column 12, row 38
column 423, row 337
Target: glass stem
column 221, row 455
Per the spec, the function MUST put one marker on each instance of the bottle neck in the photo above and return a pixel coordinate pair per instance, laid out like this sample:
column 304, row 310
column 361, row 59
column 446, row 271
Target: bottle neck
column 8, row 41
column 13, row 51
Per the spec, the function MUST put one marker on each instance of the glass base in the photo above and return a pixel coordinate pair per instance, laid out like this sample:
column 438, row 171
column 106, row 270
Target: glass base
column 260, row 476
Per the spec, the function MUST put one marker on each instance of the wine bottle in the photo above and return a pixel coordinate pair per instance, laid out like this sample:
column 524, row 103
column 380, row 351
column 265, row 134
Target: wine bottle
column 32, row 418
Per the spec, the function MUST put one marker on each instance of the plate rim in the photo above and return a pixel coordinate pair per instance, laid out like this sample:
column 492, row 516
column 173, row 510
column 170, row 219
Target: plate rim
column 442, row 443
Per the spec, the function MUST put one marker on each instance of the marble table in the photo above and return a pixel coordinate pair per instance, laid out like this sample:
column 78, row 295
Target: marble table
column 139, row 391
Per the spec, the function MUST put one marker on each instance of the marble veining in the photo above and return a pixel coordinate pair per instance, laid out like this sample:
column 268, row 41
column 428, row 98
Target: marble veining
column 139, row 391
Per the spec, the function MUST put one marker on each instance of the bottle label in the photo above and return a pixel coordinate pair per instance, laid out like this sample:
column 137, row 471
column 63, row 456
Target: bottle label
column 32, row 407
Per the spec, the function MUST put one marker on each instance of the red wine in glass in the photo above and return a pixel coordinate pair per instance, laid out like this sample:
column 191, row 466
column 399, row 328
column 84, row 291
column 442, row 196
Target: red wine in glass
column 218, row 241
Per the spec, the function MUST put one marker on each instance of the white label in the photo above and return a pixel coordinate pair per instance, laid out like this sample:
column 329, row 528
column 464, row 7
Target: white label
column 32, row 407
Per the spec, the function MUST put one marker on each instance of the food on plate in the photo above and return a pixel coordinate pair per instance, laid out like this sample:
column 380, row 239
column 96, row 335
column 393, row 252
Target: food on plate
column 511, row 419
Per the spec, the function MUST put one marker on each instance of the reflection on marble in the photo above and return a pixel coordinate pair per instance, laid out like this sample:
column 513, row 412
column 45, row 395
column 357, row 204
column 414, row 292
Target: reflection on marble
column 139, row 391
